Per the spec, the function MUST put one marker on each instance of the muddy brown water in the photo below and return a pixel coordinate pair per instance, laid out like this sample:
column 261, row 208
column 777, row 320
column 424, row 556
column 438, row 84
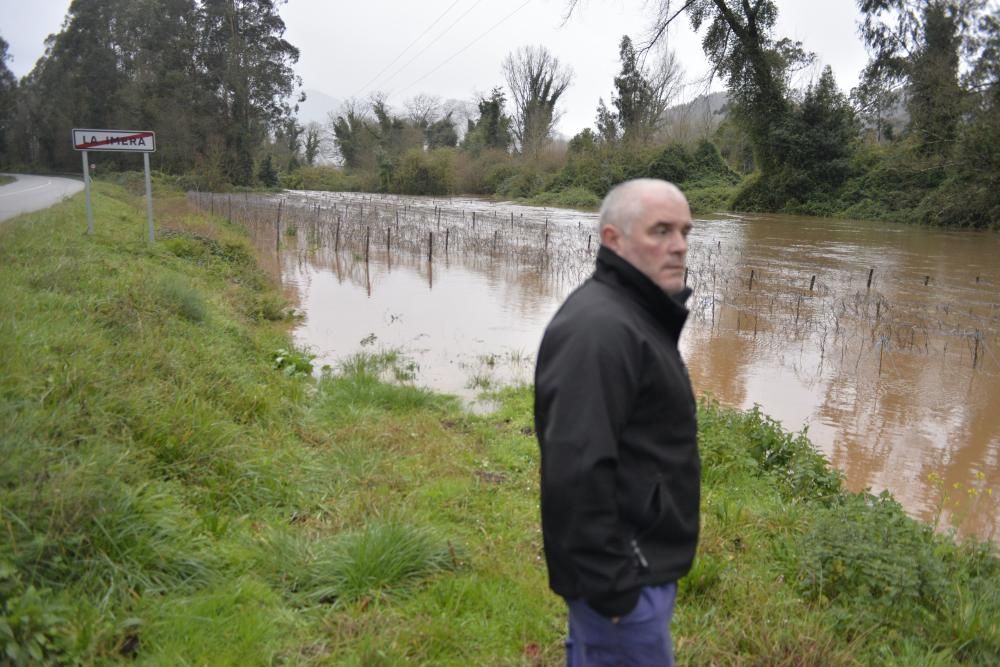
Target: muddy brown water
column 882, row 340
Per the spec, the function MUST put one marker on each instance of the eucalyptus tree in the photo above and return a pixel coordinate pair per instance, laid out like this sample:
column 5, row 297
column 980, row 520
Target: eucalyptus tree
column 8, row 90
column 633, row 96
column 643, row 93
column 118, row 63
column 917, row 44
column 536, row 80
column 874, row 98
column 80, row 80
column 211, row 77
column 247, row 63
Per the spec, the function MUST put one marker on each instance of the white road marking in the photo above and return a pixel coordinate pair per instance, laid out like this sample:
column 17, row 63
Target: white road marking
column 21, row 192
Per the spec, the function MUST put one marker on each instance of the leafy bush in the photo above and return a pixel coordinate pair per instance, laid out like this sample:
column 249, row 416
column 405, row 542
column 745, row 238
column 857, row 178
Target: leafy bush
column 869, row 556
column 878, row 568
column 420, row 173
column 572, row 197
column 520, row 185
column 798, row 469
column 293, row 362
column 291, row 180
column 33, row 628
column 333, row 179
column 672, row 164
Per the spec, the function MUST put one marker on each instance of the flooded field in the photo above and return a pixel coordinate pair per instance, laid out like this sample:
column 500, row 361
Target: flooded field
column 882, row 340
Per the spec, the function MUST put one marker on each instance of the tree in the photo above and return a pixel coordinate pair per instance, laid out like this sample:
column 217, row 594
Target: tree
column 82, row 75
column 313, row 144
column 633, row 95
column 395, row 134
column 982, row 49
column 441, row 133
column 288, row 142
column 193, row 70
column 492, row 130
column 536, row 80
column 738, row 43
column 248, row 63
column 917, row 42
column 815, row 141
column 8, row 90
column 606, row 123
column 970, row 195
column 422, row 110
column 355, row 135
column 873, row 98
column 641, row 96
column 266, row 173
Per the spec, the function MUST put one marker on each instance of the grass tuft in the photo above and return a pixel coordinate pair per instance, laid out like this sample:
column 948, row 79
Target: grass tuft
column 378, row 559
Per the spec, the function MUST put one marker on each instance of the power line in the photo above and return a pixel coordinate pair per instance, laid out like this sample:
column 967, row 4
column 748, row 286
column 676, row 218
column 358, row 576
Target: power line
column 432, row 42
column 464, row 48
column 400, row 54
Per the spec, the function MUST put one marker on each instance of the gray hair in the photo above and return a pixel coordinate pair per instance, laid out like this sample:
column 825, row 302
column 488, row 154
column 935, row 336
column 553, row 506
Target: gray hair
column 624, row 204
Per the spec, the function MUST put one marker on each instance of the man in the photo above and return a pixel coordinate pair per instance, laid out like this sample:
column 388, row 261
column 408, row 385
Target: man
column 615, row 418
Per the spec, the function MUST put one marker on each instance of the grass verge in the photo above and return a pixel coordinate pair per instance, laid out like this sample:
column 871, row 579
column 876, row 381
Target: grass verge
column 177, row 488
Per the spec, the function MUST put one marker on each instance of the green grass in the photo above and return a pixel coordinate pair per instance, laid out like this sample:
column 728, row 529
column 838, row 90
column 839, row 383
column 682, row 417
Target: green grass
column 177, row 487
column 5, row 179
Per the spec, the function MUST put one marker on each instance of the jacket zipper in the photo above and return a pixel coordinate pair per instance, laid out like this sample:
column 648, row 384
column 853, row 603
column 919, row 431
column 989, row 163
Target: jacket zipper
column 640, row 560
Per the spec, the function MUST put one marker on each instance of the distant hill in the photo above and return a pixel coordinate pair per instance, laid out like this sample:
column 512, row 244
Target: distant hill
column 695, row 119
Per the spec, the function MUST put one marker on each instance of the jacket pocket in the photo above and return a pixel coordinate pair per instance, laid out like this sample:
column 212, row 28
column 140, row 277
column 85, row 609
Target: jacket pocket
column 654, row 509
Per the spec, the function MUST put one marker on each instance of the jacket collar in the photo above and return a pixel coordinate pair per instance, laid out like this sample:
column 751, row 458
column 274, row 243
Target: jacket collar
column 669, row 310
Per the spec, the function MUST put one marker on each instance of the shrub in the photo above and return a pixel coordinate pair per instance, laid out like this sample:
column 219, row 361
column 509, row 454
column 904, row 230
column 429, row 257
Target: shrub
column 293, row 362
column 672, row 164
column 573, row 197
column 291, row 180
column 34, row 627
column 798, row 469
column 421, row 173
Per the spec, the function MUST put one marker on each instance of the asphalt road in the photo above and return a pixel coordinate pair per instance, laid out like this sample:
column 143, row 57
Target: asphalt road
column 31, row 193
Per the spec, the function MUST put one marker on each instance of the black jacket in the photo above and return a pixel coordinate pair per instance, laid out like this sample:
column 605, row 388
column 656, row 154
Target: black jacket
column 616, row 421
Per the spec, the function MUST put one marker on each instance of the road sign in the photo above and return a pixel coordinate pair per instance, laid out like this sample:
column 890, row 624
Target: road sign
column 128, row 141
column 137, row 141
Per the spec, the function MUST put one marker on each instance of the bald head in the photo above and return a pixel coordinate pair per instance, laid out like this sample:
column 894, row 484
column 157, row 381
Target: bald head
column 646, row 222
column 625, row 203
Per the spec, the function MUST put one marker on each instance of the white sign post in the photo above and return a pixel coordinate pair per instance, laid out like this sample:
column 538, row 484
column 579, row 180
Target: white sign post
column 127, row 141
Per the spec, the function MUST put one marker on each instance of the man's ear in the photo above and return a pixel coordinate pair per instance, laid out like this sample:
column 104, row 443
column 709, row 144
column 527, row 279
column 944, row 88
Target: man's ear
column 611, row 237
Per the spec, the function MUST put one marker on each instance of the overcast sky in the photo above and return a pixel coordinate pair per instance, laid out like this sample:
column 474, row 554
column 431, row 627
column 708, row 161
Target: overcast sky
column 454, row 48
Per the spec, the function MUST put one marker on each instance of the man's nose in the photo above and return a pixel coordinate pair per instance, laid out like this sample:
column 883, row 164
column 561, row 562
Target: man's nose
column 678, row 243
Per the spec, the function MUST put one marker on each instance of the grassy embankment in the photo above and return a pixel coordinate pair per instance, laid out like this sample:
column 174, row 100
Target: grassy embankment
column 175, row 490
column 5, row 179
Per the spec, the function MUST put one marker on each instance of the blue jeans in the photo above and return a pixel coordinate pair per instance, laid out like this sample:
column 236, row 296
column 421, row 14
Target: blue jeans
column 641, row 638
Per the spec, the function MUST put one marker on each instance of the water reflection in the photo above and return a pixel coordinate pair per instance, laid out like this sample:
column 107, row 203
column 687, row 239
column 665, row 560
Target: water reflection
column 881, row 339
